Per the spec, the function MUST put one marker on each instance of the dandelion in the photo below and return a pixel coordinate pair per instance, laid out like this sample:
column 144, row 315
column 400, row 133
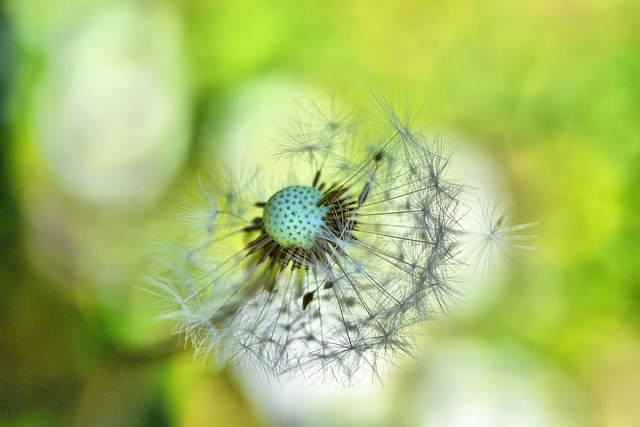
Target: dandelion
column 325, row 274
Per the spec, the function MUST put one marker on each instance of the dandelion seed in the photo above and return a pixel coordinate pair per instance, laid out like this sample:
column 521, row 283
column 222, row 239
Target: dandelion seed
column 324, row 275
column 493, row 238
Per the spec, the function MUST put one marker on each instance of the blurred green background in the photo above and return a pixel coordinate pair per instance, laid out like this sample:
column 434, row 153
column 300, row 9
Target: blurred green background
column 109, row 107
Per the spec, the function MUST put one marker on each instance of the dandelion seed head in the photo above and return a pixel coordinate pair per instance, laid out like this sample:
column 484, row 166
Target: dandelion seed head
column 326, row 274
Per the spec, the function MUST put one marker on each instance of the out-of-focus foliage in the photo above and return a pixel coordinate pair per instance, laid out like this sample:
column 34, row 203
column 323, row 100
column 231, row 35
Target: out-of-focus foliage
column 109, row 107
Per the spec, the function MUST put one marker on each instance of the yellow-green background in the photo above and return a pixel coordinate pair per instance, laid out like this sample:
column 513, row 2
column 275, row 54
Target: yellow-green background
column 550, row 89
